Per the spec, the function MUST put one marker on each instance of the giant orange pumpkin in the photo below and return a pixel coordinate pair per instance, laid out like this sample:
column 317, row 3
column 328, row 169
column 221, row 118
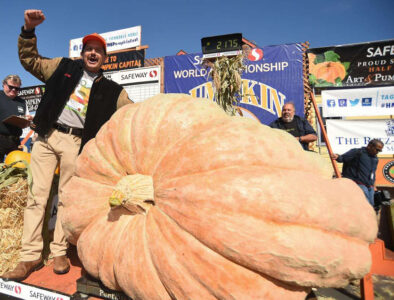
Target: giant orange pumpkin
column 212, row 206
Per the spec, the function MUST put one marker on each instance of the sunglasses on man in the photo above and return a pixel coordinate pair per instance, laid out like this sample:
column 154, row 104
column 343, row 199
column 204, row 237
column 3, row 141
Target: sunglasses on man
column 11, row 87
column 378, row 149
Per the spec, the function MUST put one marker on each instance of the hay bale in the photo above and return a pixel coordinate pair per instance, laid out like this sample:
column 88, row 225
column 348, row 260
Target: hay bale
column 13, row 200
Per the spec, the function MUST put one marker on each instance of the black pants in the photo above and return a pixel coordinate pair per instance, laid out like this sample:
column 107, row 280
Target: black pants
column 8, row 144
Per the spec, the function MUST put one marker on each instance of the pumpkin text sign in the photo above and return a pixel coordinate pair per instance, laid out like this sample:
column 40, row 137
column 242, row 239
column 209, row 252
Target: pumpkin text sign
column 174, row 199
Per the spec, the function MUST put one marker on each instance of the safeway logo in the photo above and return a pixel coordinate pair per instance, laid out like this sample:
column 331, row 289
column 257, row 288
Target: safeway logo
column 255, row 54
column 37, row 91
column 153, row 74
column 18, row 289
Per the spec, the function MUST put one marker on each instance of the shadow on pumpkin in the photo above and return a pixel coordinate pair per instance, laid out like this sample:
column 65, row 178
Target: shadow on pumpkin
column 285, row 285
column 72, row 254
column 116, row 212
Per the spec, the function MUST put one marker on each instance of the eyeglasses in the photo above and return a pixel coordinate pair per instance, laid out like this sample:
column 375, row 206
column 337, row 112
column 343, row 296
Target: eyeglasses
column 11, row 87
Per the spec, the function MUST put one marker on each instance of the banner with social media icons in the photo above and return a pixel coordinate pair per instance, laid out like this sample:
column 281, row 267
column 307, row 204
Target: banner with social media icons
column 348, row 134
column 358, row 102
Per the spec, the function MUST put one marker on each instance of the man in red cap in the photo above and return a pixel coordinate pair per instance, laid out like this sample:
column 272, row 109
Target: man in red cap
column 78, row 100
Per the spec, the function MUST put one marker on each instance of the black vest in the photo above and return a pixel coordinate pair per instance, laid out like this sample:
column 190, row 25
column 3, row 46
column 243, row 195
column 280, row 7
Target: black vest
column 101, row 105
column 9, row 107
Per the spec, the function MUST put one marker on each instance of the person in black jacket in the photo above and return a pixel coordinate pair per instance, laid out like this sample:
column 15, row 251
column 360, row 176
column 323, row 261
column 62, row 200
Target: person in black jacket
column 359, row 165
column 295, row 125
column 78, row 100
column 10, row 104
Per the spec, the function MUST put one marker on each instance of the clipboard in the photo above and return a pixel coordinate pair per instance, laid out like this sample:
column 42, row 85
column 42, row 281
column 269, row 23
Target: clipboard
column 20, row 122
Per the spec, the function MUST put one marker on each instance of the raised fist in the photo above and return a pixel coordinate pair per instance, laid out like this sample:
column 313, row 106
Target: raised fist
column 33, row 18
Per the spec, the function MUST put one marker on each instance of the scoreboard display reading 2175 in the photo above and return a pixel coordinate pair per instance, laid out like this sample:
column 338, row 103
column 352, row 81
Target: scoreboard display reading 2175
column 221, row 43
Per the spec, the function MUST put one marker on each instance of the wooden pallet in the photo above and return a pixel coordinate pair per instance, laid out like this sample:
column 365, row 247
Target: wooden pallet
column 382, row 264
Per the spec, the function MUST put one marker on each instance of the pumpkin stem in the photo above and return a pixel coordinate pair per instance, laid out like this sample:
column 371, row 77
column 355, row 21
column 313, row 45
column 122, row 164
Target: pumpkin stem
column 133, row 192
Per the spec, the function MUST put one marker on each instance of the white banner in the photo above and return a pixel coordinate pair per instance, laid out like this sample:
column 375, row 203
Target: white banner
column 28, row 292
column 345, row 135
column 358, row 102
column 116, row 40
column 140, row 83
column 133, row 76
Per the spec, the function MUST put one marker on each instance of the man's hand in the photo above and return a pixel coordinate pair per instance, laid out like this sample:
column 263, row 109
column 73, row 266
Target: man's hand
column 33, row 18
column 334, row 156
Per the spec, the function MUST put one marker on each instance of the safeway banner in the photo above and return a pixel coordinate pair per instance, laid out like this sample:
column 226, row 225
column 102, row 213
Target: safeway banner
column 17, row 290
column 366, row 64
column 32, row 96
column 273, row 76
column 140, row 83
column 358, row 102
column 347, row 134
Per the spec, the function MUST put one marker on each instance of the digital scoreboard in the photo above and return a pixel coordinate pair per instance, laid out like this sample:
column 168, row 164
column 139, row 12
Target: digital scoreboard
column 222, row 45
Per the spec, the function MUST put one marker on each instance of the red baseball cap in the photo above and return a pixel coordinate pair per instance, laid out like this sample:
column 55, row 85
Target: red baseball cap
column 95, row 37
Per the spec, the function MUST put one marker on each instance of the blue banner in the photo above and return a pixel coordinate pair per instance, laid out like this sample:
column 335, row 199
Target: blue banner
column 273, row 76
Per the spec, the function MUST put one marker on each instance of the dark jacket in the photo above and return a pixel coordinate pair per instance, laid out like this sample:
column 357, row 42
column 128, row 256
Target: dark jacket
column 9, row 107
column 303, row 126
column 102, row 99
column 61, row 76
column 359, row 166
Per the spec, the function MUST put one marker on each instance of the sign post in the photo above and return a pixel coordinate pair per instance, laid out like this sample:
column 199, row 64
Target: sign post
column 323, row 130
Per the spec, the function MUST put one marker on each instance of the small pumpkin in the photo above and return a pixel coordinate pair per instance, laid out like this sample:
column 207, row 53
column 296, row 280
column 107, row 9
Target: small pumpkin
column 17, row 155
column 210, row 206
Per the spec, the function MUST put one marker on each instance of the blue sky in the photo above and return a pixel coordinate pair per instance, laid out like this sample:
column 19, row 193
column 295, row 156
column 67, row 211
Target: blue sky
column 172, row 25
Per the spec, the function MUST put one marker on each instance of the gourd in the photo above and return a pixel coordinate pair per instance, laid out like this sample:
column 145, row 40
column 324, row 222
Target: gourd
column 174, row 199
column 15, row 156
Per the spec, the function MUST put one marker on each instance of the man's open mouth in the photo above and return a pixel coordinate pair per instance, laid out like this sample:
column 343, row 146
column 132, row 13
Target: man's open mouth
column 92, row 59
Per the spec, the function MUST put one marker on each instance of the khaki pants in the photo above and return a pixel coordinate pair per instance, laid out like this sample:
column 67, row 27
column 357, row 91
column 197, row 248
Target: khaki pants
column 46, row 153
